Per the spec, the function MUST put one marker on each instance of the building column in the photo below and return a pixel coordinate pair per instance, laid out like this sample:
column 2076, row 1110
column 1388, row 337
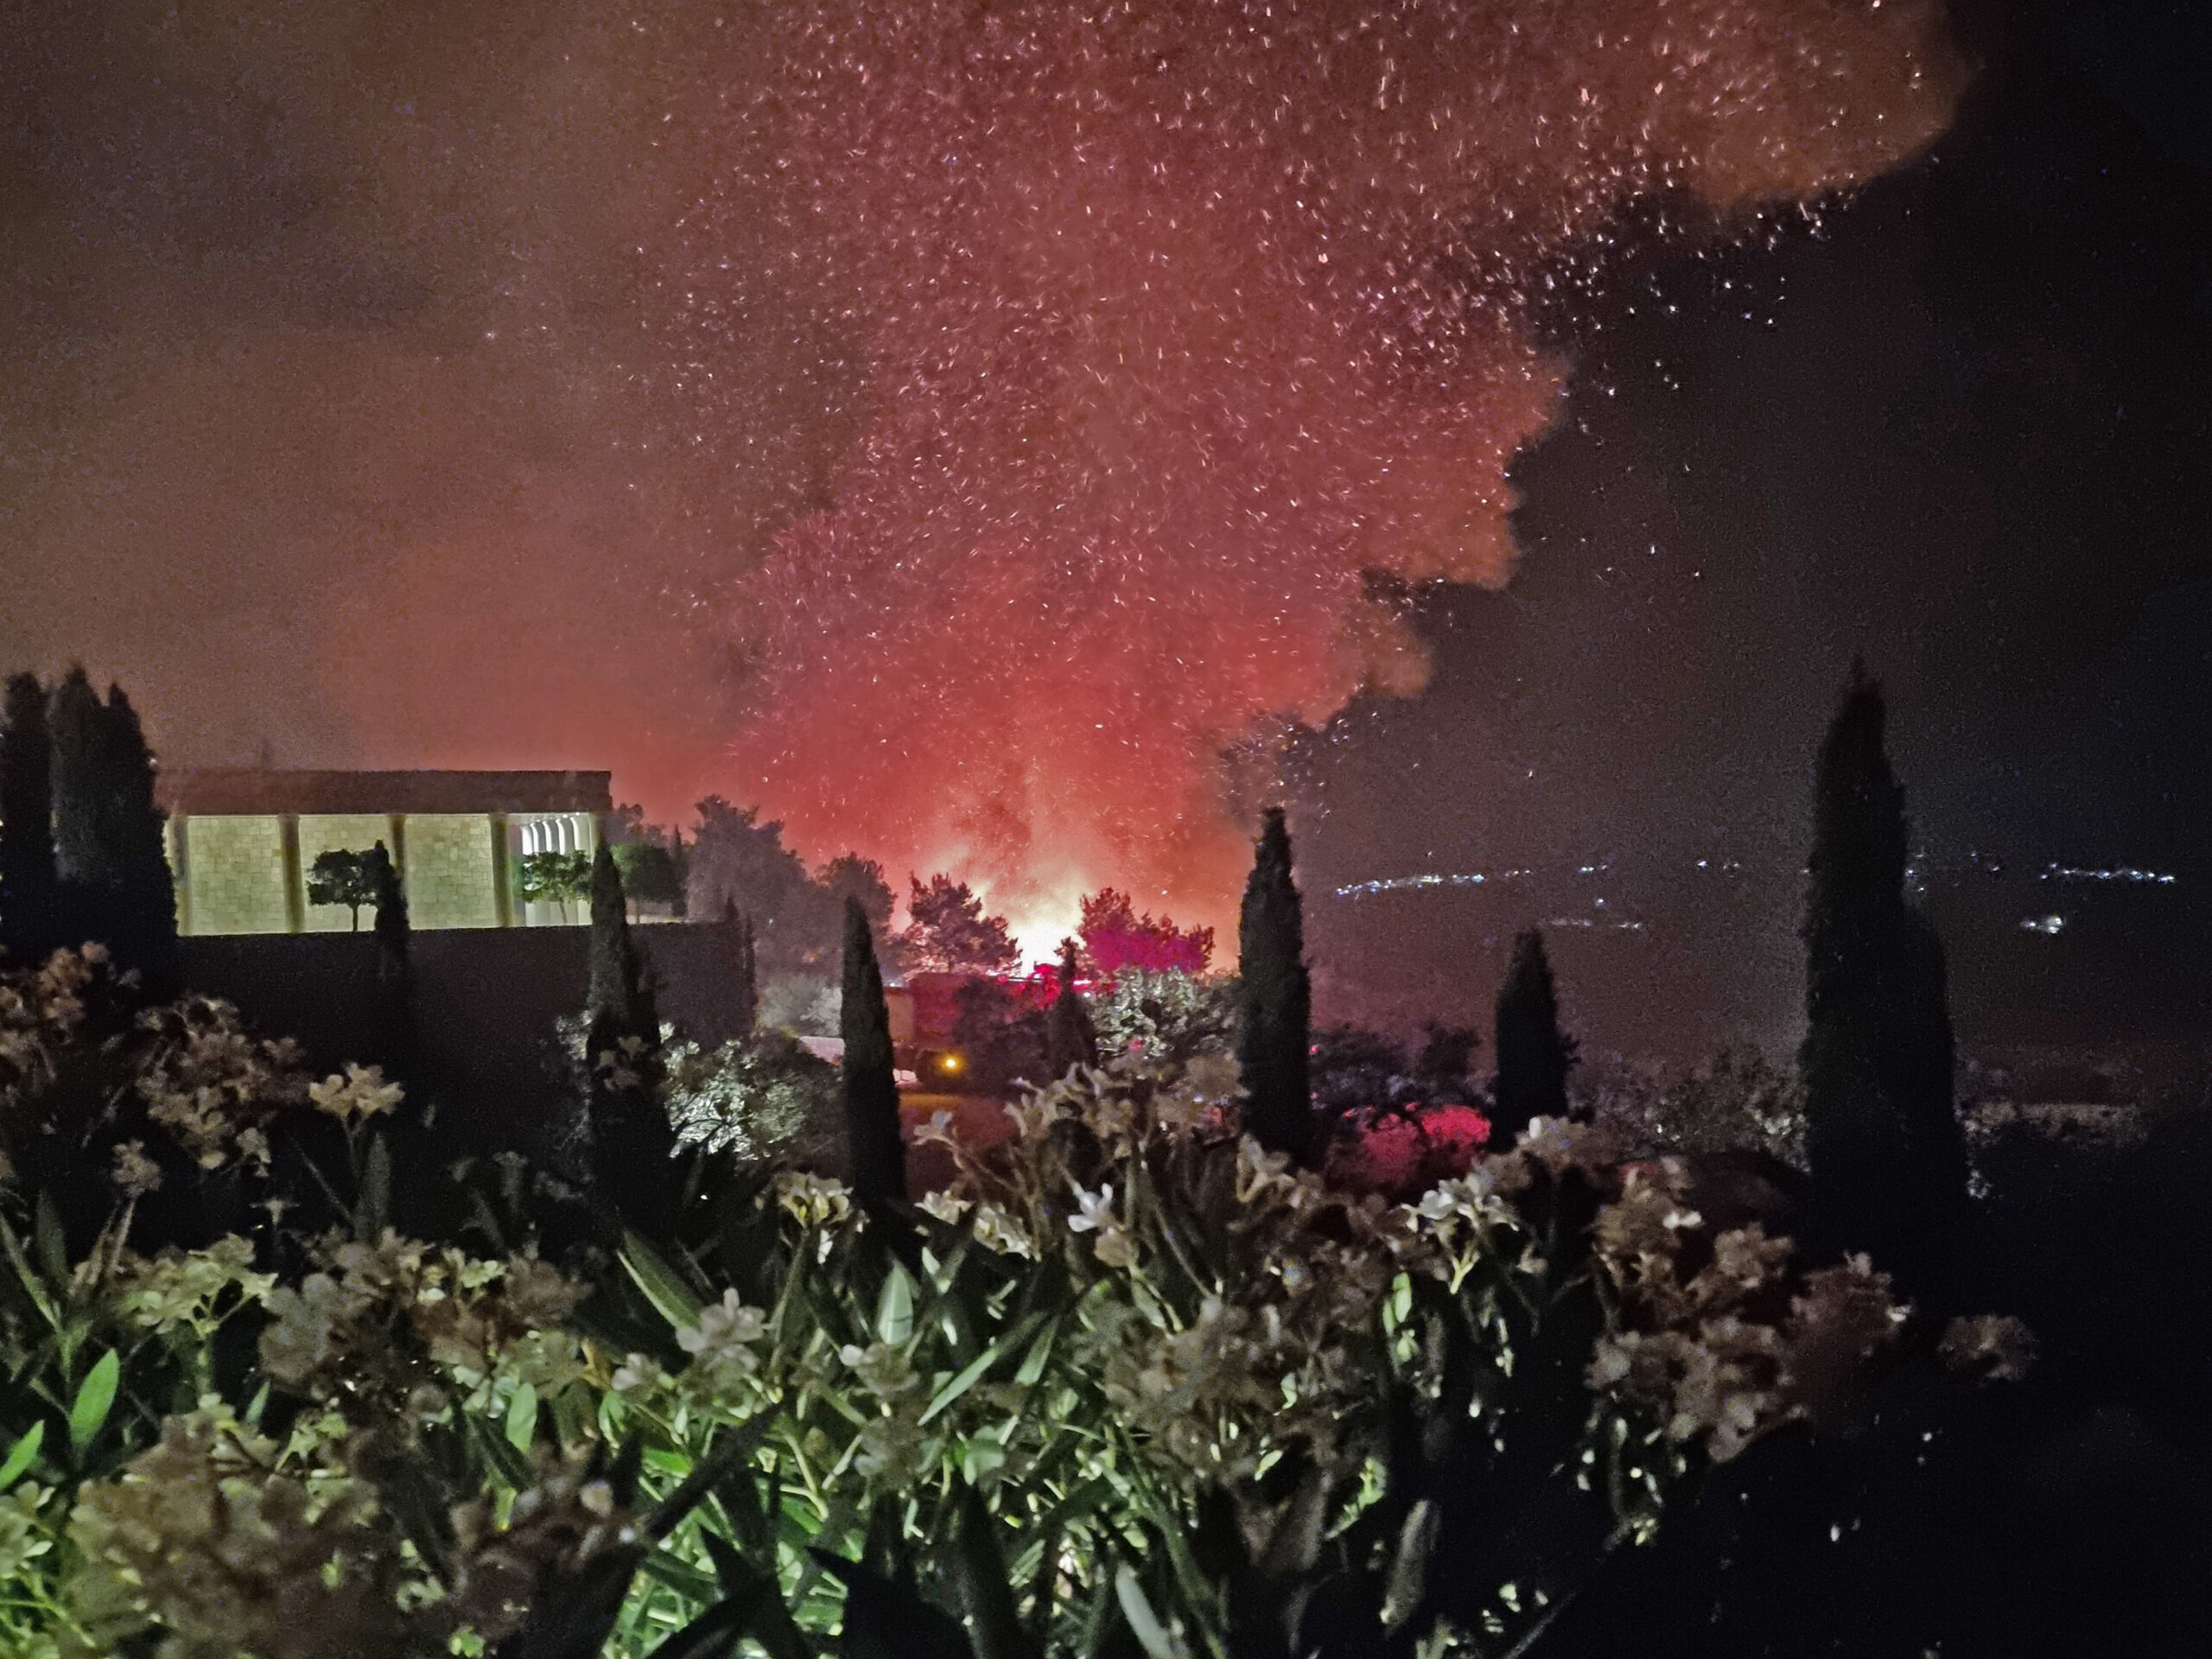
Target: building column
column 180, row 850
column 295, row 881
column 503, row 887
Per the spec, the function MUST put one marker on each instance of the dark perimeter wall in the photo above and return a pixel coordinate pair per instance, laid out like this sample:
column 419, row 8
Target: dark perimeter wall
column 483, row 1003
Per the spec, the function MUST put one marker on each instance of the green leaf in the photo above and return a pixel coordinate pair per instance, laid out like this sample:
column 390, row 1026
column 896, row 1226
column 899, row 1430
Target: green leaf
column 715, row 1632
column 1144, row 1623
column 47, row 1241
column 971, row 1373
column 95, row 1399
column 522, row 1418
column 771, row 1624
column 1409, row 1581
column 895, row 1308
column 1032, row 1363
column 678, row 1575
column 20, row 1455
column 672, row 1298
column 507, row 1463
column 979, row 1566
column 33, row 1284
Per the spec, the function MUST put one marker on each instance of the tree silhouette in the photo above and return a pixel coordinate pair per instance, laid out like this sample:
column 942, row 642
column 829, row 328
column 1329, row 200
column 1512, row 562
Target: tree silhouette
column 1071, row 1037
column 1115, row 937
column 1533, row 1057
column 746, row 966
column 632, row 1143
column 1276, row 1000
column 947, row 932
column 342, row 877
column 1888, row 1155
column 875, row 1152
column 30, row 921
column 393, row 932
column 108, row 831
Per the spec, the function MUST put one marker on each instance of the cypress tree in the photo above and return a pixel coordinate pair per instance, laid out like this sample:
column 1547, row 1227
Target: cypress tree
column 145, row 903
column 1888, row 1154
column 1273, row 1042
column 1071, row 1037
column 1533, row 1057
column 751, row 1008
column 875, row 1152
column 746, row 966
column 78, row 724
column 394, row 934
column 115, row 884
column 633, row 1145
column 29, row 918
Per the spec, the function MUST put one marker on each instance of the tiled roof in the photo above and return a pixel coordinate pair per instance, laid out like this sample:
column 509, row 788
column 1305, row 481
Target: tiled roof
column 209, row 792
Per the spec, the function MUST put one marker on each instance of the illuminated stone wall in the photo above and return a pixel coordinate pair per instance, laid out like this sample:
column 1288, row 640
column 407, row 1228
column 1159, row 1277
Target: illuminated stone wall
column 350, row 833
column 449, row 870
column 237, row 875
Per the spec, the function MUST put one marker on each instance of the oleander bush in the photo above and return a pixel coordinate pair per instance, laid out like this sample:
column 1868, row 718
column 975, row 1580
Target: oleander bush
column 1128, row 1384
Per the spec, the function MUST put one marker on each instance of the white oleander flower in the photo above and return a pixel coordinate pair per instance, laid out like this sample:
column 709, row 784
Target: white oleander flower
column 1095, row 1211
column 997, row 1230
column 360, row 1094
column 945, row 1206
column 721, row 1343
column 813, row 1200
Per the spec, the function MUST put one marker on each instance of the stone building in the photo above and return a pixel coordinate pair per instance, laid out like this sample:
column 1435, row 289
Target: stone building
column 241, row 840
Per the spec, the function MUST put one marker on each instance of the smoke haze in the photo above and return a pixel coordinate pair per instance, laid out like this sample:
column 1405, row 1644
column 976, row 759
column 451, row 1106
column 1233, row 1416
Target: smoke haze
column 952, row 426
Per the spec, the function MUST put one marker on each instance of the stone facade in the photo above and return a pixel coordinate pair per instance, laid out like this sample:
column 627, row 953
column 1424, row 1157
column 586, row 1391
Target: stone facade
column 236, row 876
column 240, row 842
column 450, row 870
column 346, row 832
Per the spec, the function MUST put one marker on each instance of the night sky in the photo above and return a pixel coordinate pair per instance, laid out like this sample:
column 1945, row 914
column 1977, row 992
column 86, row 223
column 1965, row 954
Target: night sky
column 746, row 401
column 1959, row 427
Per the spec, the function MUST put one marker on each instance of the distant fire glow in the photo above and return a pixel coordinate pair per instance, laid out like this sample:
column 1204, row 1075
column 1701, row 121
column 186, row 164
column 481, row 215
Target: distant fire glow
column 1176, row 323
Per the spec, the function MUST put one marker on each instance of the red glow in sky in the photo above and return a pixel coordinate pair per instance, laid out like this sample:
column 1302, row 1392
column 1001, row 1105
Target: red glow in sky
column 1178, row 321
column 950, row 425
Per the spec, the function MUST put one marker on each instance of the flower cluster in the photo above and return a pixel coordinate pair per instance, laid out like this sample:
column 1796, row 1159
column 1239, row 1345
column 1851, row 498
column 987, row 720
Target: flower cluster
column 399, row 1328
column 41, row 1012
column 568, row 1518
column 207, row 1538
column 356, row 1097
column 723, row 1344
column 213, row 1084
column 191, row 1288
column 1719, row 1342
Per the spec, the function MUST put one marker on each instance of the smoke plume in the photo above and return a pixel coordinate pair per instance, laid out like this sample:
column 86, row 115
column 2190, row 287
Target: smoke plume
column 952, row 425
column 1183, row 324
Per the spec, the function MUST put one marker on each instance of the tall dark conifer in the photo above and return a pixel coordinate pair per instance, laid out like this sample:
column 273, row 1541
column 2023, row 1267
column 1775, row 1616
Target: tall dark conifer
column 1888, row 1154
column 81, row 784
column 30, row 919
column 1274, row 1042
column 744, row 965
column 115, row 884
column 875, row 1152
column 750, row 1008
column 633, row 1145
column 145, row 888
column 1070, row 1037
column 394, row 934
column 1533, row 1057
